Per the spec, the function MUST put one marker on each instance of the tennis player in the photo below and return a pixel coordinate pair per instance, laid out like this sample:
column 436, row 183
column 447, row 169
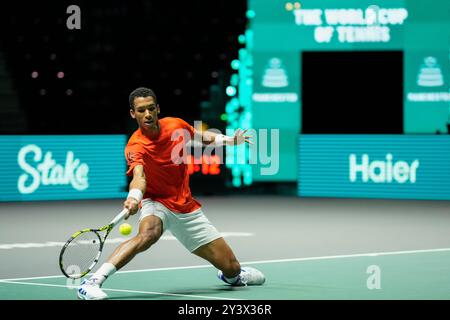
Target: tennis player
column 160, row 191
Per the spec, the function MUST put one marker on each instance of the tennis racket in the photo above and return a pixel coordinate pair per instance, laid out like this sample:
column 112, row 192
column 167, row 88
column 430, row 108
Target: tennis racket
column 82, row 251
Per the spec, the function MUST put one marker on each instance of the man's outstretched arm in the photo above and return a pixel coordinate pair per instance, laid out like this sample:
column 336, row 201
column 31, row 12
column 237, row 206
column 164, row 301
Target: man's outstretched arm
column 137, row 189
column 209, row 137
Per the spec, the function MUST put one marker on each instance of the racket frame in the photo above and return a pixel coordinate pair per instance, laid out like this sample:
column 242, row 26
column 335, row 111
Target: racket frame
column 106, row 228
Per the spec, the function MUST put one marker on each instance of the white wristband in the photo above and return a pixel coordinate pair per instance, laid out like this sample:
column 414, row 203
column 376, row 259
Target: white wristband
column 136, row 194
column 221, row 139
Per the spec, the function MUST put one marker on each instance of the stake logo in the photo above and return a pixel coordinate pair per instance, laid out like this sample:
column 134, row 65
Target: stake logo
column 44, row 170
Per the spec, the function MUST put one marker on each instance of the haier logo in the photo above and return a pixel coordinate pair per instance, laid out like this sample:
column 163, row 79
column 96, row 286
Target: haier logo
column 44, row 170
column 382, row 171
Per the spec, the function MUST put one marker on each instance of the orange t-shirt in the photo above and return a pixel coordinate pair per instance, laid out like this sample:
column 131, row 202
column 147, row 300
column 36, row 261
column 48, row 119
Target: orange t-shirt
column 167, row 180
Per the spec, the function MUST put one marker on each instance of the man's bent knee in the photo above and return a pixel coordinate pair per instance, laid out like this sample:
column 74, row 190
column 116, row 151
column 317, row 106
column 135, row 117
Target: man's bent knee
column 150, row 230
column 147, row 239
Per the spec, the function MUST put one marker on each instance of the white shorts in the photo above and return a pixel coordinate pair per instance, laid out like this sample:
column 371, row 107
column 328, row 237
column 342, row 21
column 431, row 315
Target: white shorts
column 192, row 229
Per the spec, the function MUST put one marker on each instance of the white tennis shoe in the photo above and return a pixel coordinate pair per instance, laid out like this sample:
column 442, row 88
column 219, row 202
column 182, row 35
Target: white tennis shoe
column 90, row 290
column 248, row 277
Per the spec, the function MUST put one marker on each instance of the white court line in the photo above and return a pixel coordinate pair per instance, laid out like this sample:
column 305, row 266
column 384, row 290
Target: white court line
column 50, row 244
column 372, row 254
column 122, row 290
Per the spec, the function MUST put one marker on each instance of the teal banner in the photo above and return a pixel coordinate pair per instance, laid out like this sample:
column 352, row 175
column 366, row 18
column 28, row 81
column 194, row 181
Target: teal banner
column 62, row 167
column 374, row 166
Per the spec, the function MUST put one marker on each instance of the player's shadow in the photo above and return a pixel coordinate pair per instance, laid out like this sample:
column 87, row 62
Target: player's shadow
column 181, row 294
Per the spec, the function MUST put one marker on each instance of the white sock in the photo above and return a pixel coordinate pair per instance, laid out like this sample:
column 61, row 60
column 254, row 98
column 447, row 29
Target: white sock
column 106, row 270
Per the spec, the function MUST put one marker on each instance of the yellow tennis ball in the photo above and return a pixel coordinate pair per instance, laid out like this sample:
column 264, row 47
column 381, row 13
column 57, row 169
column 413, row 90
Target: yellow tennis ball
column 125, row 229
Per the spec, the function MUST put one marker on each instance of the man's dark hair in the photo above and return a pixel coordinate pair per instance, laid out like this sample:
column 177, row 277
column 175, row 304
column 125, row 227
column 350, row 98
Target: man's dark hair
column 141, row 92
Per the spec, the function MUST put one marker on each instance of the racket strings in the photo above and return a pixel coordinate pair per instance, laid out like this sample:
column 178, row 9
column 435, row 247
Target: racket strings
column 81, row 253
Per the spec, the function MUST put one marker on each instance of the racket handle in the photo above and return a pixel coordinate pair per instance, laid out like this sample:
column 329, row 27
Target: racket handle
column 119, row 217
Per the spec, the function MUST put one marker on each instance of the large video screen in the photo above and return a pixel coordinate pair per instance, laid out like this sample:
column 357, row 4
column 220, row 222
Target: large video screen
column 417, row 30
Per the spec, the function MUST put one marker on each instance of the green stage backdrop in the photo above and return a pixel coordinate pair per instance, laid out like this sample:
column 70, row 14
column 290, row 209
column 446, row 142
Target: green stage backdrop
column 280, row 30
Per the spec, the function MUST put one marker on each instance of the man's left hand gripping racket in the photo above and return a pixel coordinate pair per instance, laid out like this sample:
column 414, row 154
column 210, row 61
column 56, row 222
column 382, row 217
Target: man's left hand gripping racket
column 82, row 251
